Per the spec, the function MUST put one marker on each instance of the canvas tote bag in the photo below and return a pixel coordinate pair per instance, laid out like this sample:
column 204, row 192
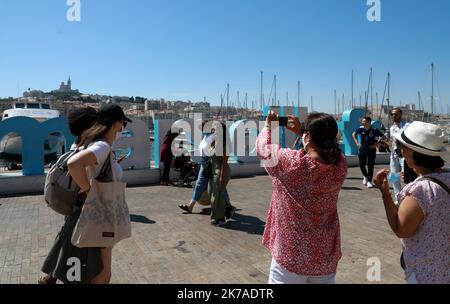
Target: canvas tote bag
column 105, row 218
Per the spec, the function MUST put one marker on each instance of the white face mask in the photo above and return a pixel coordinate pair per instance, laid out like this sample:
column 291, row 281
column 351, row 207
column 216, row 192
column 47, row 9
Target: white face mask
column 305, row 144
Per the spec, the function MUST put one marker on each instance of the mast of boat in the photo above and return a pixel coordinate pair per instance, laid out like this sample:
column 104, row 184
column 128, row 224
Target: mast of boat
column 432, row 92
column 261, row 96
column 335, row 103
column 238, row 110
column 246, row 101
column 221, row 106
column 228, row 98
column 371, row 91
column 378, row 104
column 352, row 88
column 343, row 102
column 421, row 106
column 275, row 89
column 298, row 94
column 389, row 100
column 312, row 104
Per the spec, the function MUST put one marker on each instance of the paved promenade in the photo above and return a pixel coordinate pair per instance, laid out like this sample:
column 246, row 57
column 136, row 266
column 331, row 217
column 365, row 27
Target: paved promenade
column 170, row 247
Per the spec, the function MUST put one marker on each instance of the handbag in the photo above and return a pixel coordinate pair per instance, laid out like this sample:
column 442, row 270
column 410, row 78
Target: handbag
column 105, row 219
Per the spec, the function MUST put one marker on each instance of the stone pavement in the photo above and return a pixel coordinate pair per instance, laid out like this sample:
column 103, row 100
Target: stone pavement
column 170, row 247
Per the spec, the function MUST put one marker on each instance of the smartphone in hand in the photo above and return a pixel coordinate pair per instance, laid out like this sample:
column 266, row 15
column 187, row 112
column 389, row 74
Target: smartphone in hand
column 283, row 121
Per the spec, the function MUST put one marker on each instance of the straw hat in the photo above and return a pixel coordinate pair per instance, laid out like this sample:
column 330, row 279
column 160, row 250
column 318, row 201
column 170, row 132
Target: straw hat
column 425, row 138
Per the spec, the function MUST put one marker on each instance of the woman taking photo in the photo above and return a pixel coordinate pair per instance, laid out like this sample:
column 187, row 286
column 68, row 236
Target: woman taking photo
column 422, row 221
column 88, row 164
column 302, row 230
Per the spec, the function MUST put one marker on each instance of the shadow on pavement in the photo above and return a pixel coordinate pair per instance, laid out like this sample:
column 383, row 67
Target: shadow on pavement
column 246, row 223
column 141, row 219
column 352, row 188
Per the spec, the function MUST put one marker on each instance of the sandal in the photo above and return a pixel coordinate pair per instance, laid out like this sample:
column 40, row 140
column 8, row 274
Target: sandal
column 185, row 208
column 47, row 280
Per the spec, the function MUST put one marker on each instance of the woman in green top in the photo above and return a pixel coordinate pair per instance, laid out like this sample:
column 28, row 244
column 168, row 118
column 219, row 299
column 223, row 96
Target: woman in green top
column 220, row 178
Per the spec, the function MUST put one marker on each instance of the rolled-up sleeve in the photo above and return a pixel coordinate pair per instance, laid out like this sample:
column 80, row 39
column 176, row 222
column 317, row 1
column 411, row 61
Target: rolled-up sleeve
column 273, row 157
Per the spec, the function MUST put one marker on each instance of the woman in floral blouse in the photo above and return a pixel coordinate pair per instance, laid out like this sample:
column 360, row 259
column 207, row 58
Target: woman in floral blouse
column 302, row 230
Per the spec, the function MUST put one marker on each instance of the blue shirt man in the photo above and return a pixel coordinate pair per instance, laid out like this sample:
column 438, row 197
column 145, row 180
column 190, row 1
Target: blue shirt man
column 367, row 149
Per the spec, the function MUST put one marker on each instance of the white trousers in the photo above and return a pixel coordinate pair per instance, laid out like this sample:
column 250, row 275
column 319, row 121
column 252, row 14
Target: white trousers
column 279, row 275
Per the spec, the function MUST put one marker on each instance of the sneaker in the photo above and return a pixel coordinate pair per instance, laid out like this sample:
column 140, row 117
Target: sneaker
column 230, row 212
column 219, row 222
column 365, row 181
column 370, row 185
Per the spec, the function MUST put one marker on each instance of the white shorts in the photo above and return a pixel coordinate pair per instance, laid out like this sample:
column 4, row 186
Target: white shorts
column 279, row 275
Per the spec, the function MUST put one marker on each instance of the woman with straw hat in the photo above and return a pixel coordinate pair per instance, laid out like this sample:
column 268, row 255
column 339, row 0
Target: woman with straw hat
column 422, row 221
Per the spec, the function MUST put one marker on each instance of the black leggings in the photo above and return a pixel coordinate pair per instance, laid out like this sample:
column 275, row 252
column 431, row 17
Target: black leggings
column 367, row 159
column 166, row 172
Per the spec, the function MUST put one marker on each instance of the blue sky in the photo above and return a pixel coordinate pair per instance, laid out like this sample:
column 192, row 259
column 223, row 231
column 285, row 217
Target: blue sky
column 189, row 49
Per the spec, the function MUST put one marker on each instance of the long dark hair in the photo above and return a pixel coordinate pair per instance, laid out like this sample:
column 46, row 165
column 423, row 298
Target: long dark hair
column 222, row 147
column 80, row 120
column 93, row 134
column 323, row 131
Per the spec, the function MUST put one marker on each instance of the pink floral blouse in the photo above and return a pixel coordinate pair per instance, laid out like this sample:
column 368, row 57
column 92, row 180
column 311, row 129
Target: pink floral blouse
column 427, row 253
column 302, row 229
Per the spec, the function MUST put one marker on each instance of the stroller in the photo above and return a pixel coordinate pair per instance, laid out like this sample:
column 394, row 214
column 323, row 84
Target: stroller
column 188, row 171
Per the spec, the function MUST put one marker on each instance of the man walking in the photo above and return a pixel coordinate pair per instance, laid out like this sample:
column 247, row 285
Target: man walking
column 397, row 163
column 367, row 149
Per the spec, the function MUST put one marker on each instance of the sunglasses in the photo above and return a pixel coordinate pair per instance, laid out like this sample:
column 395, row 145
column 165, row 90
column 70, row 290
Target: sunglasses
column 395, row 114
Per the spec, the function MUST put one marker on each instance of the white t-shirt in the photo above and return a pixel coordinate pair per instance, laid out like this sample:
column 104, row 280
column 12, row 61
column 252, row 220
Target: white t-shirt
column 397, row 129
column 102, row 150
column 205, row 145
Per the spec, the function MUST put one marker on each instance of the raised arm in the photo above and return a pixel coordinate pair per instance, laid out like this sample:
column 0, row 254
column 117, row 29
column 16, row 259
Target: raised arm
column 274, row 158
column 406, row 220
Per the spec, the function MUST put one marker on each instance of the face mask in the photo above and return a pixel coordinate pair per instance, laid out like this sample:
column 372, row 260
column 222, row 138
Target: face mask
column 305, row 144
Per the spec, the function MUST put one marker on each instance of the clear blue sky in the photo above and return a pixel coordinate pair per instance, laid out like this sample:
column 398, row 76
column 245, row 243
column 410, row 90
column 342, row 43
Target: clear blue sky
column 187, row 49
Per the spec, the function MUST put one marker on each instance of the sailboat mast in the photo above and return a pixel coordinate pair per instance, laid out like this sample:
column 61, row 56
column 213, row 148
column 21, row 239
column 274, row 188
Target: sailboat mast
column 275, row 88
column 335, row 105
column 352, row 88
column 298, row 95
column 371, row 91
column 378, row 104
column 261, row 96
column 228, row 98
column 432, row 92
column 389, row 100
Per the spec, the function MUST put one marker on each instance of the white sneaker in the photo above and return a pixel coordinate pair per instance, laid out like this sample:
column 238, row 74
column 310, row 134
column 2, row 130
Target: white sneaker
column 369, row 185
column 365, row 181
